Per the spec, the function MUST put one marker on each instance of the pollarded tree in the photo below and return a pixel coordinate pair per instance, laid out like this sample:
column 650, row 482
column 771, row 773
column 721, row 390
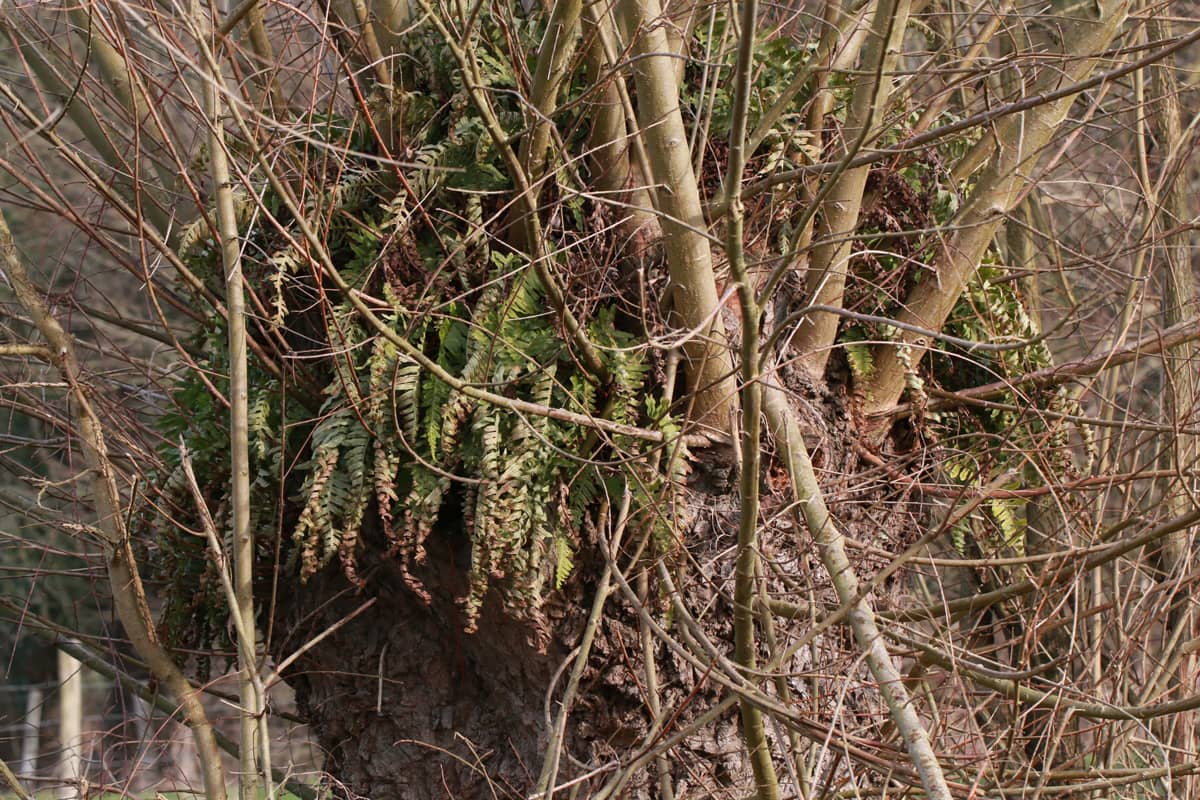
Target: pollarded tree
column 624, row 401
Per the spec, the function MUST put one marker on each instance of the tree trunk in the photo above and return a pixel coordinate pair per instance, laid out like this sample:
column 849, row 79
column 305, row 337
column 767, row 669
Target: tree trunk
column 412, row 710
column 406, row 705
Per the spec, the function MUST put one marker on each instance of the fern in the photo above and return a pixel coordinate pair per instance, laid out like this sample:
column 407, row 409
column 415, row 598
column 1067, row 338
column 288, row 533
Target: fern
column 992, row 311
column 314, row 518
column 1009, row 515
column 389, row 436
column 564, row 561
column 861, row 363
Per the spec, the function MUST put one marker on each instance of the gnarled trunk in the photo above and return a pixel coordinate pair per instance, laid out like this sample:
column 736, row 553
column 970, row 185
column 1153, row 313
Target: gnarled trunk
column 407, row 705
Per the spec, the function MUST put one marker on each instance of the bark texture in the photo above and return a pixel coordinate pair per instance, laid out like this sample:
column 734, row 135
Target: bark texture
column 406, row 705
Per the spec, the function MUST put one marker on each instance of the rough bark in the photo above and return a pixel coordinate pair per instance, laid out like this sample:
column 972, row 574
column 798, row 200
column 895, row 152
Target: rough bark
column 407, row 705
column 423, row 710
column 419, row 709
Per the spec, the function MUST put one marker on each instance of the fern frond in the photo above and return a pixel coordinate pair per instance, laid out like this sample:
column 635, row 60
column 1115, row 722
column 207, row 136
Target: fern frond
column 307, row 533
column 1009, row 515
column 564, row 562
column 861, row 362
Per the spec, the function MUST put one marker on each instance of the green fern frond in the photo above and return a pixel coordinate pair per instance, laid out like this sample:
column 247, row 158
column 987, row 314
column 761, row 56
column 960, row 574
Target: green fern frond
column 1009, row 515
column 564, row 562
column 389, row 434
column 861, row 362
column 259, row 421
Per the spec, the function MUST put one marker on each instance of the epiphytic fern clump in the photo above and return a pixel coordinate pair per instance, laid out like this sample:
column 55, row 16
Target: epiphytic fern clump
column 353, row 434
column 393, row 439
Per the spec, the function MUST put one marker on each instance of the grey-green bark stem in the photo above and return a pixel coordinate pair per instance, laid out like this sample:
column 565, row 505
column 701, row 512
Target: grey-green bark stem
column 979, row 120
column 830, row 543
column 554, row 56
column 829, row 265
column 617, row 173
column 1019, row 139
column 689, row 256
column 745, row 650
column 849, row 19
column 123, row 81
column 239, row 436
column 85, row 119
